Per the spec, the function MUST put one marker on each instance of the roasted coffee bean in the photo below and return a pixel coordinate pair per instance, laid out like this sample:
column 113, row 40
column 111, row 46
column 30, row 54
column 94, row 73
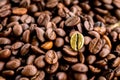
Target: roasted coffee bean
column 19, row 11
column 94, row 33
column 30, row 59
column 25, row 49
column 5, row 41
column 51, row 3
column 91, row 59
column 13, row 64
column 72, row 21
column 94, row 70
column 95, row 45
column 17, row 29
column 79, row 67
column 26, row 36
column 8, row 73
column 37, row 50
column 80, row 76
column 116, row 62
column 39, row 61
column 25, row 3
column 87, row 40
column 24, row 78
column 33, row 8
column 111, row 56
column 77, row 41
column 60, row 32
column 102, row 78
column 116, row 3
column 59, row 42
column 52, row 68
column 88, row 26
column 51, row 57
column 81, row 57
column 29, row 70
column 57, row 19
column 70, row 59
column 5, row 53
column 3, row 2
column 17, row 45
column 61, row 76
column 50, row 34
column 47, row 45
column 2, row 65
column 26, row 19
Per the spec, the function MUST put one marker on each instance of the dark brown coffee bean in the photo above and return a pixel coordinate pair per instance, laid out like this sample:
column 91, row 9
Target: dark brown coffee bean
column 88, row 26
column 59, row 42
column 61, row 76
column 3, row 2
column 57, row 19
column 80, row 76
column 2, row 65
column 60, row 32
column 13, row 64
column 17, row 45
column 17, row 29
column 79, row 67
column 69, row 51
column 91, row 59
column 39, row 75
column 12, row 24
column 14, row 18
column 94, row 70
column 43, row 19
column 101, row 11
column 99, row 18
column 25, row 3
column 70, row 59
column 5, row 53
column 116, row 62
column 51, row 3
column 51, row 57
column 94, row 33
column 8, row 73
column 5, row 41
column 50, row 34
column 37, row 50
column 101, row 62
column 95, row 45
column 26, row 36
column 85, row 6
column 24, row 78
column 39, row 61
column 104, row 52
column 25, row 49
column 30, row 59
column 6, row 32
column 72, row 21
column 114, row 35
column 52, row 68
column 33, row 8
column 29, row 70
column 40, row 34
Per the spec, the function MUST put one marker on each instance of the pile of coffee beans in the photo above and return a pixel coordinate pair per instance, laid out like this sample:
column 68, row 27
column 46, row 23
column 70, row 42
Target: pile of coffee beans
column 59, row 39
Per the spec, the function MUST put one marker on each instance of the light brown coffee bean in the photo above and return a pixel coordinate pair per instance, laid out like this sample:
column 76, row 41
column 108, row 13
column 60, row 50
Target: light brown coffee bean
column 59, row 42
column 3, row 2
column 116, row 62
column 107, row 1
column 13, row 64
column 116, row 3
column 72, row 21
column 47, row 45
column 39, row 61
column 5, row 41
column 87, row 40
column 80, row 76
column 111, row 56
column 19, row 11
column 29, row 70
column 17, row 29
column 26, row 19
column 104, row 52
column 79, row 67
column 51, row 57
column 81, row 57
column 56, row 19
column 5, row 53
column 60, row 32
column 52, row 68
column 91, row 59
column 94, row 33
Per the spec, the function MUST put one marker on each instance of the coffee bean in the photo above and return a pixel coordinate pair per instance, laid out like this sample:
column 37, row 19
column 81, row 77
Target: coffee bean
column 94, row 33
column 107, row 1
column 47, row 45
column 57, row 19
column 5, row 53
column 2, row 78
column 111, row 56
column 29, row 70
column 59, row 42
column 17, row 29
column 26, row 19
column 104, row 52
column 52, row 68
column 80, row 76
column 51, row 57
column 25, row 49
column 33, row 8
column 94, row 70
column 3, row 2
column 88, row 26
column 19, row 11
column 77, row 41
column 91, row 59
column 51, row 3
column 5, row 41
column 39, row 61
column 70, row 59
column 25, row 3
column 102, row 78
column 26, row 36
column 13, row 64
column 87, row 40
column 17, row 45
column 72, row 21
column 116, row 3
column 2, row 65
column 61, row 76
column 24, row 78
column 37, row 50
column 95, row 45
column 50, row 34
column 60, row 32
column 8, row 73
column 79, row 67
column 30, row 59
column 116, row 62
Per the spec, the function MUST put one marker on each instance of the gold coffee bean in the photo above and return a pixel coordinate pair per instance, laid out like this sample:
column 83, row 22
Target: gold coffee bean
column 77, row 41
column 19, row 11
column 47, row 45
